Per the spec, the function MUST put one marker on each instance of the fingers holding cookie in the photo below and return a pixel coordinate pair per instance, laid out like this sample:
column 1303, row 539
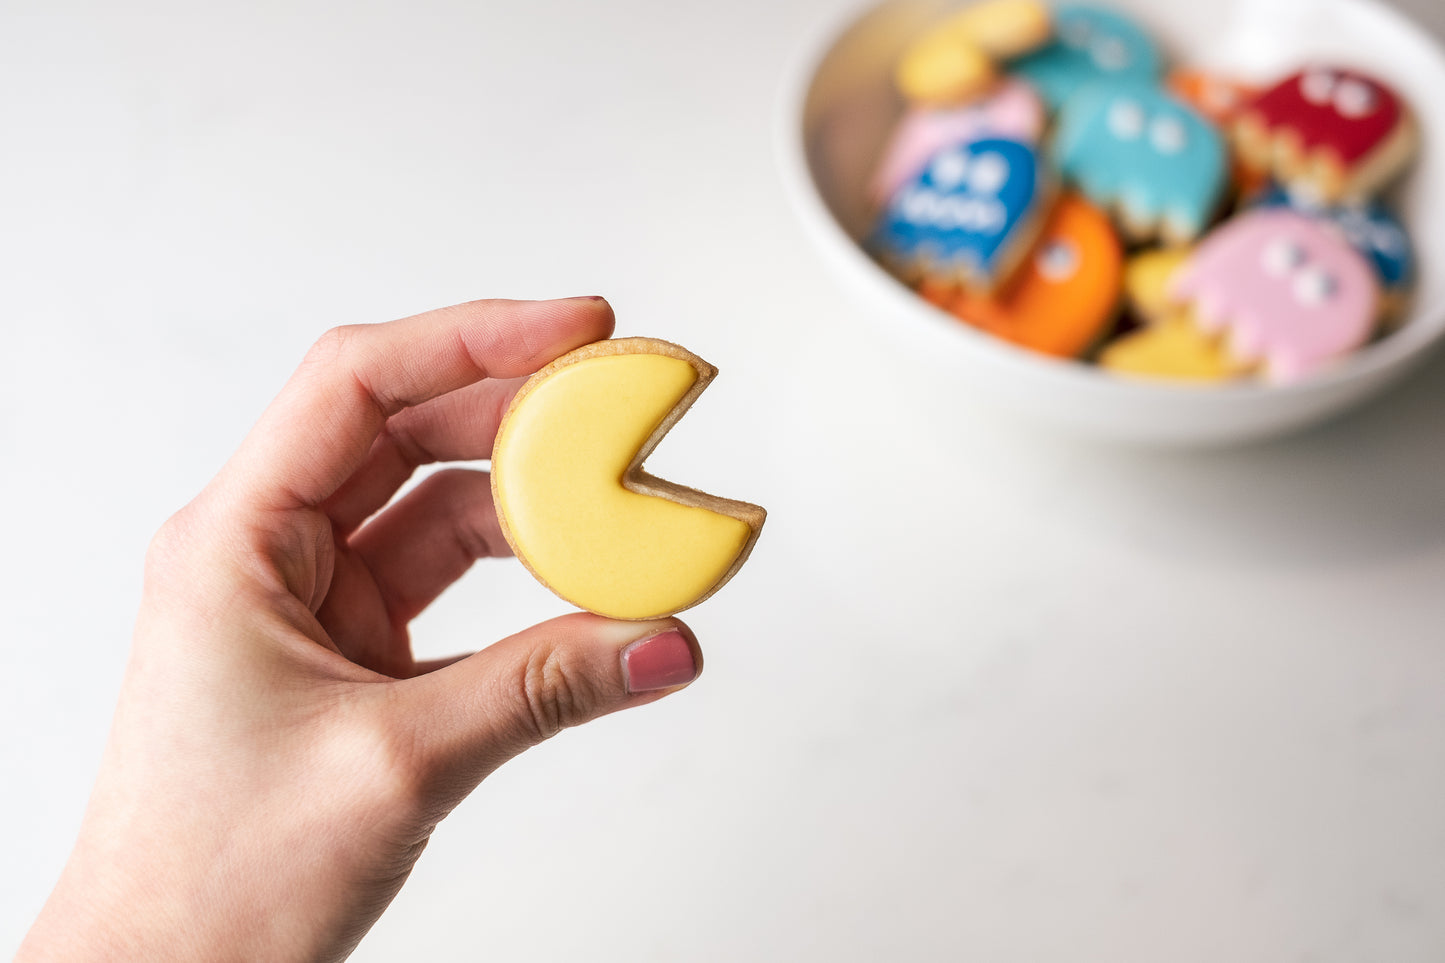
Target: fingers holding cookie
column 427, row 540
column 324, row 425
column 459, row 426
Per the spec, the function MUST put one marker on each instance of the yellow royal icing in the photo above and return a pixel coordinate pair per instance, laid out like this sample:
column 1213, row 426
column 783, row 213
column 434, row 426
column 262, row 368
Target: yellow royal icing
column 956, row 61
column 1147, row 277
column 564, row 472
column 1171, row 348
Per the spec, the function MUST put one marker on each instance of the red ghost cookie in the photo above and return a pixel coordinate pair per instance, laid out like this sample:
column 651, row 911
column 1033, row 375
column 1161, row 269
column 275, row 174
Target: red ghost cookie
column 1336, row 132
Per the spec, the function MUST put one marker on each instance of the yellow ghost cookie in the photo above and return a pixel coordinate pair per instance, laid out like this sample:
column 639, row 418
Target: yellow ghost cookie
column 575, row 504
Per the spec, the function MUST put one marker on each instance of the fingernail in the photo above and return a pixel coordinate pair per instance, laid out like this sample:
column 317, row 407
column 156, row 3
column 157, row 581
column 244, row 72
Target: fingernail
column 660, row 662
column 588, row 297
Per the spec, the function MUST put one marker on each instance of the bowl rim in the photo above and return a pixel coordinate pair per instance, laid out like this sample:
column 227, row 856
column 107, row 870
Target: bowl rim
column 1409, row 344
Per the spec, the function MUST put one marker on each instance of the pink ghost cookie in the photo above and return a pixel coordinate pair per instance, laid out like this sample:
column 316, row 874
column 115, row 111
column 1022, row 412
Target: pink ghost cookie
column 1292, row 294
column 1012, row 112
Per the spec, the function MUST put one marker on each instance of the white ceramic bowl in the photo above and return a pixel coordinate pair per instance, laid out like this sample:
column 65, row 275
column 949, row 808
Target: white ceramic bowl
column 840, row 104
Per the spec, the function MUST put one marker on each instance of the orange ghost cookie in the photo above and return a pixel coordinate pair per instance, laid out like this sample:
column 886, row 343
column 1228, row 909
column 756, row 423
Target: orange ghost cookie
column 1065, row 295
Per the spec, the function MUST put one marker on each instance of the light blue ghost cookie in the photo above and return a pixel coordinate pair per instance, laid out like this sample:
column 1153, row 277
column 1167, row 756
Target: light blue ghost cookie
column 966, row 217
column 1090, row 43
column 1370, row 228
column 1145, row 155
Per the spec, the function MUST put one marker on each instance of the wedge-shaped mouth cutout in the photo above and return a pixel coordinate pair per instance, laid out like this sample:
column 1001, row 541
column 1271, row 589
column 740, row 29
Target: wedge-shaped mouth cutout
column 575, row 503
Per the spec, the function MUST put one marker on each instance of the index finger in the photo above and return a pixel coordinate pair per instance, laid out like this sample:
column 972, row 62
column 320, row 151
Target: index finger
column 319, row 429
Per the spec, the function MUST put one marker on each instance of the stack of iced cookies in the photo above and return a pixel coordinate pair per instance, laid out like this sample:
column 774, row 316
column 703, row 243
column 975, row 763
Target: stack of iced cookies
column 1053, row 183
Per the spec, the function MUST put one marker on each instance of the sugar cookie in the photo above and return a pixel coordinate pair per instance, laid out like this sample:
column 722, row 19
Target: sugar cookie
column 940, row 70
column 575, row 504
column 1065, row 295
column 1169, row 345
column 1090, row 43
column 1147, row 278
column 968, row 217
column 1144, row 154
column 1004, row 29
column 956, row 61
column 1372, row 229
column 1337, row 132
column 1012, row 111
column 1217, row 97
column 1287, row 290
column 1173, row 349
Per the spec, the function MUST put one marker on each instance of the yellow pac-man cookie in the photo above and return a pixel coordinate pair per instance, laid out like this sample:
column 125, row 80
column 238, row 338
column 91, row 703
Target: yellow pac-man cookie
column 575, row 504
column 1169, row 345
column 1146, row 281
column 941, row 70
column 1171, row 349
column 957, row 61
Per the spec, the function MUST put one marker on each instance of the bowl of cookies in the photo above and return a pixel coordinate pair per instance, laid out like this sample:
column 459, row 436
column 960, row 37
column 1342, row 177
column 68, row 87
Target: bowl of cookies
column 1175, row 224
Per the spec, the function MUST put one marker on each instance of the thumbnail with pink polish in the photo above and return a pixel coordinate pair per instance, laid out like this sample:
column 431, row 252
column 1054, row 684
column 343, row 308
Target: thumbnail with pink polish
column 660, row 662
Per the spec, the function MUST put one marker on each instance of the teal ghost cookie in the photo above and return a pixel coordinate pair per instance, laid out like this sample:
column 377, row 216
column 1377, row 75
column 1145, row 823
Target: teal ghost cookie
column 1144, row 155
column 1090, row 43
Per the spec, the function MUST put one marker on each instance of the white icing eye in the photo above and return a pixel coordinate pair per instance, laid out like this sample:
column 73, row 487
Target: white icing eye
column 1167, row 135
column 1057, row 261
column 988, row 175
column 1313, row 287
column 949, row 170
column 1281, row 257
column 1126, row 120
column 1354, row 100
column 1076, row 34
column 1317, row 87
column 1109, row 53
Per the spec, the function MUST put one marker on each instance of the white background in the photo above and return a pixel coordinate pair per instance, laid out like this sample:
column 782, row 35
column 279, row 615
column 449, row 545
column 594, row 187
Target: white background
column 982, row 693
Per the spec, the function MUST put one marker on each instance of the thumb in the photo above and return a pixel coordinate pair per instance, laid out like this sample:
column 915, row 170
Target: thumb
column 475, row 714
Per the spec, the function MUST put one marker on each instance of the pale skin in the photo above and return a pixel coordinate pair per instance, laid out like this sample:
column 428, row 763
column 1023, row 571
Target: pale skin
column 278, row 759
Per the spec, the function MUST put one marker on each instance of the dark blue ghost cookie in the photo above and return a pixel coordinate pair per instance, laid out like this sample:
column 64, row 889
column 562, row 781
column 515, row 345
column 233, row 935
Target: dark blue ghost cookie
column 968, row 216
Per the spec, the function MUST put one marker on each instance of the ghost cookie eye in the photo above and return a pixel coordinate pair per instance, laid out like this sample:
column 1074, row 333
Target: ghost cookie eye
column 1354, row 99
column 1317, row 87
column 1281, row 257
column 1126, row 120
column 1167, row 135
column 1313, row 286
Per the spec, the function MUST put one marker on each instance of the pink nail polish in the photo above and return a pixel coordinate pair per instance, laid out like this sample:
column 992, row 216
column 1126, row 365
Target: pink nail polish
column 660, row 662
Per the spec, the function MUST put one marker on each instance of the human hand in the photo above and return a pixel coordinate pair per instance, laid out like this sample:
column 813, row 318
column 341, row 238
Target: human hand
column 278, row 758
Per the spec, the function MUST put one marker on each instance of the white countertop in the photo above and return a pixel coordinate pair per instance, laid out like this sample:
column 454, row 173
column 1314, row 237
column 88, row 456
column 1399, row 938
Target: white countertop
column 1051, row 701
